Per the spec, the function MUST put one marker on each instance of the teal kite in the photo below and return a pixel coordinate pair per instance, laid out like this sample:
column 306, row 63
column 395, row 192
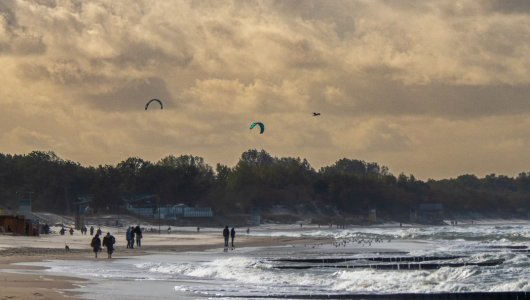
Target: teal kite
column 261, row 126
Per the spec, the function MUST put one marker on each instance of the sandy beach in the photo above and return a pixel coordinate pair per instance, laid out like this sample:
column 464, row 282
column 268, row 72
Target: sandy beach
column 17, row 283
column 272, row 260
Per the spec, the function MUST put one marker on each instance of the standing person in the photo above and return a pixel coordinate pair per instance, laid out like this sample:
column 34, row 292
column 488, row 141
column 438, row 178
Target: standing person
column 139, row 236
column 71, row 231
column 226, row 234
column 96, row 245
column 99, row 232
column 131, row 238
column 91, row 230
column 233, row 235
column 248, row 230
column 108, row 242
column 128, row 237
column 62, row 231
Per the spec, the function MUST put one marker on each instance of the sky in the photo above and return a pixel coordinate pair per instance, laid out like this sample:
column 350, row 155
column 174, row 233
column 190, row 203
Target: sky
column 431, row 88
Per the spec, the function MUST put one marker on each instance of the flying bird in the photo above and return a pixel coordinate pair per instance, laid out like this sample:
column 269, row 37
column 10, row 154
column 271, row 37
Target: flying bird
column 316, row 114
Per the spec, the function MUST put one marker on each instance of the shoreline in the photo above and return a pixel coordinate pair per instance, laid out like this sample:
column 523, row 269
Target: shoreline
column 15, row 278
column 18, row 281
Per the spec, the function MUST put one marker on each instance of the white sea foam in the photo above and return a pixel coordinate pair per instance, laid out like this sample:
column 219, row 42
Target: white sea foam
column 500, row 233
column 253, row 272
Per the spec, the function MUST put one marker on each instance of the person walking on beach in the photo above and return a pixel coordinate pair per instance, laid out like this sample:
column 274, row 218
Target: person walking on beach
column 226, row 235
column 131, row 238
column 233, row 235
column 71, row 231
column 91, row 230
column 96, row 244
column 128, row 237
column 108, row 242
column 139, row 235
column 62, row 231
column 99, row 232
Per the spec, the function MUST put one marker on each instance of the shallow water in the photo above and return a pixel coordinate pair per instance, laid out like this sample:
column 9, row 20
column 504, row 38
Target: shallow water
column 253, row 272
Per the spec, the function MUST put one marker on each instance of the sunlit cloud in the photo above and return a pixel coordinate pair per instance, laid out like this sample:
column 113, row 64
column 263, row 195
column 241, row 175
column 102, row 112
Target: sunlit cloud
column 433, row 88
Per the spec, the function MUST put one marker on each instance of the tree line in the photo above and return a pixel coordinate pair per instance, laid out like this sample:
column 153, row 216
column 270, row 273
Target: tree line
column 258, row 180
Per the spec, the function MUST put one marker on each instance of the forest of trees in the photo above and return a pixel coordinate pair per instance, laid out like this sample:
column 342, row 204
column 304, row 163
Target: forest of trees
column 257, row 180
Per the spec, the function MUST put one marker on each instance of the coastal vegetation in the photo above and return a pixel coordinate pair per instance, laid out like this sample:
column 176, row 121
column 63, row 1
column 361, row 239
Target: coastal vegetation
column 258, row 180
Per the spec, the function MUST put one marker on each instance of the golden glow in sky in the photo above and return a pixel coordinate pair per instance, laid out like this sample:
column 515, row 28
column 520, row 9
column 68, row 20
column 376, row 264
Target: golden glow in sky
column 432, row 88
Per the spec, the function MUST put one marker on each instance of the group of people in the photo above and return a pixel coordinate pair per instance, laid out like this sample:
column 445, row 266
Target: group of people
column 130, row 236
column 227, row 233
column 108, row 242
column 83, row 230
column 135, row 233
column 98, row 232
column 63, row 230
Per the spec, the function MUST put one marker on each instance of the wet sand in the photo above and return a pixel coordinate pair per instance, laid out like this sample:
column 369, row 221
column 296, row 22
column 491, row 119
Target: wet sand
column 18, row 282
column 16, row 285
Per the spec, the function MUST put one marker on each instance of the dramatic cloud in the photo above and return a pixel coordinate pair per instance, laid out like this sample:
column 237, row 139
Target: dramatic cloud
column 434, row 88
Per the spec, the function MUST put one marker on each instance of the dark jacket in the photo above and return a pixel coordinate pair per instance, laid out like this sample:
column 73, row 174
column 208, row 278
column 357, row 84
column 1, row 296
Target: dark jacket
column 226, row 232
column 138, row 232
column 233, row 233
column 109, row 241
column 96, row 243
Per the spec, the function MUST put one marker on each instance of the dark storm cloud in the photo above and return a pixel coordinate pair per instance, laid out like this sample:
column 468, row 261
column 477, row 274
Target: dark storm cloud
column 389, row 97
column 18, row 39
column 7, row 13
column 140, row 55
column 508, row 6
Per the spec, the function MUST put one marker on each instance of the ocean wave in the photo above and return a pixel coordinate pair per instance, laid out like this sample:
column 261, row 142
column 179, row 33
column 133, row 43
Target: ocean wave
column 509, row 233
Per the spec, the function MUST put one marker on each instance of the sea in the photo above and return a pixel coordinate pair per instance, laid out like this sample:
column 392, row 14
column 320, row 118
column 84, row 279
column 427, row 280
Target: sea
column 493, row 257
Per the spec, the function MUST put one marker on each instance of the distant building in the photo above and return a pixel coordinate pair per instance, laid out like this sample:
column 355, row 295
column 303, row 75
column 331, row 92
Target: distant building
column 183, row 211
column 83, row 204
column 197, row 212
column 24, row 208
column 18, row 225
column 428, row 213
column 141, row 204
